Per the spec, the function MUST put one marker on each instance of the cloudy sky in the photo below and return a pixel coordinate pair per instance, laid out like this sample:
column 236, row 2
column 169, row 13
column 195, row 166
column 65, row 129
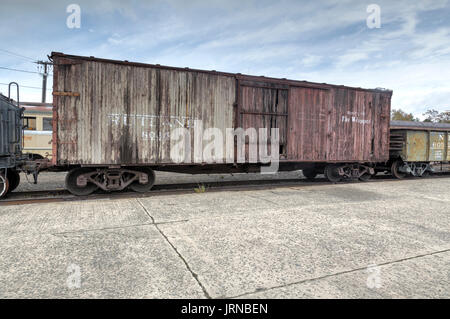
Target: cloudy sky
column 321, row 41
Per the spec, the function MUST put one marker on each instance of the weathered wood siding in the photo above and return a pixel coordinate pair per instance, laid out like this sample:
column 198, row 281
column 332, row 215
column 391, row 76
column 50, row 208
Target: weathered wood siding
column 125, row 114
column 356, row 122
column 308, row 123
column 115, row 112
column 265, row 107
column 319, row 123
column 358, row 125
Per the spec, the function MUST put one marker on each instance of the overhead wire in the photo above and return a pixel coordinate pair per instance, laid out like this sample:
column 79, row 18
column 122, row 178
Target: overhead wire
column 28, row 87
column 18, row 70
column 18, row 55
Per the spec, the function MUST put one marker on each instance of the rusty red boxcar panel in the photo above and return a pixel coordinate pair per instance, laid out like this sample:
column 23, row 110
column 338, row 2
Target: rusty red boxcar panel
column 110, row 112
column 318, row 122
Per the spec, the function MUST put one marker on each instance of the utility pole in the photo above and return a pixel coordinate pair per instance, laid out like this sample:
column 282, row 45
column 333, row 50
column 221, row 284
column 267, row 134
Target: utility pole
column 44, row 78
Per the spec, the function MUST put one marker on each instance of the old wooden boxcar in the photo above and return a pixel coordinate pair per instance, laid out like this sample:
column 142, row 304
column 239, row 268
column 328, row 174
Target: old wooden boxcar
column 419, row 148
column 114, row 120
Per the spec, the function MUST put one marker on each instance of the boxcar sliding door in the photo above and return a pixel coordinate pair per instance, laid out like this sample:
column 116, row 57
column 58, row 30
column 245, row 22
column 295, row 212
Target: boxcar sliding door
column 264, row 105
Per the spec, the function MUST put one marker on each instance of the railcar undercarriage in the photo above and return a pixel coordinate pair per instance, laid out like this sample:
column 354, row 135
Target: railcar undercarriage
column 401, row 169
column 84, row 180
column 348, row 171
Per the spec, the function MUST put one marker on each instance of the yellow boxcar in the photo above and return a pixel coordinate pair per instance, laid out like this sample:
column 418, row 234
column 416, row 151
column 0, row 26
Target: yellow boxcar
column 417, row 148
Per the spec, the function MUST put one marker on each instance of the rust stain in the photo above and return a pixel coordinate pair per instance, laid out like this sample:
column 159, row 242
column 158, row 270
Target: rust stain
column 417, row 146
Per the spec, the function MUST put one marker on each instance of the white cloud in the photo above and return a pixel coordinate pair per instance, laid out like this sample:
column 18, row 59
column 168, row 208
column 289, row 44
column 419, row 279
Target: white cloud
column 311, row 60
column 350, row 58
column 432, row 44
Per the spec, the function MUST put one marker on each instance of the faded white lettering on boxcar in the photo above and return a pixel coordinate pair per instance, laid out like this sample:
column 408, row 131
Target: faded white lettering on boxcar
column 355, row 117
column 153, row 136
column 150, row 122
column 171, row 121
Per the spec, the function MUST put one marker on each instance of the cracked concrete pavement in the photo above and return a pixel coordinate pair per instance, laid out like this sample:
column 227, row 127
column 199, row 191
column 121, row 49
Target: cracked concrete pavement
column 299, row 242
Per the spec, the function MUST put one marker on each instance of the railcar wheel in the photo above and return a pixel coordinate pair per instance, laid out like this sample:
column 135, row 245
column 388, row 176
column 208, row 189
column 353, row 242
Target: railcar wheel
column 143, row 188
column 309, row 173
column 332, row 173
column 365, row 177
column 395, row 170
column 425, row 174
column 14, row 179
column 4, row 185
column 71, row 182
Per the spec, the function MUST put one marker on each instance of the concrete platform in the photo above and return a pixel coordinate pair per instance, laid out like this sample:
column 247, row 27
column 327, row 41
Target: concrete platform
column 361, row 240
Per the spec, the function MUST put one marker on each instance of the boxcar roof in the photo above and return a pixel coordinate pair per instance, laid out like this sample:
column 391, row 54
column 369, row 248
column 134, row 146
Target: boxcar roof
column 237, row 75
column 420, row 125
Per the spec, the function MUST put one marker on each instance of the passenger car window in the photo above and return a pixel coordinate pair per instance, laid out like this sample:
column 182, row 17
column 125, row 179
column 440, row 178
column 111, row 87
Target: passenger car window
column 29, row 123
column 47, row 124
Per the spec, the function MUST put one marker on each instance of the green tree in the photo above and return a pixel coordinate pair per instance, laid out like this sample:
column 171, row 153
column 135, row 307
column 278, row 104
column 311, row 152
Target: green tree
column 399, row 115
column 435, row 116
column 445, row 117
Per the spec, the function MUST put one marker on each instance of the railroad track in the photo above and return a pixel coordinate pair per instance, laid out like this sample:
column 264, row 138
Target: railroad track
column 62, row 195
